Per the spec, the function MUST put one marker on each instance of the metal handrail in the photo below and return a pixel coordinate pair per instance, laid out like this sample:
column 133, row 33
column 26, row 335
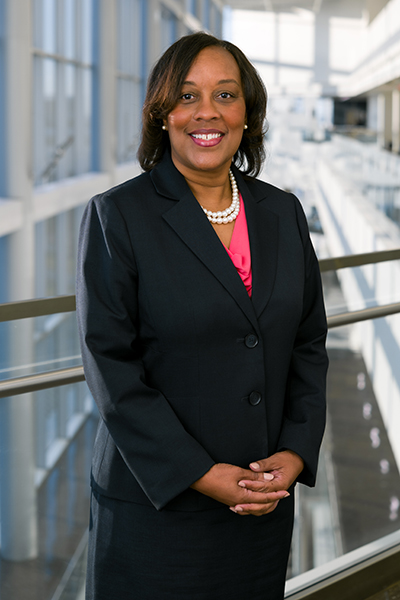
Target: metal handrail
column 357, row 260
column 363, row 315
column 41, row 381
column 39, row 307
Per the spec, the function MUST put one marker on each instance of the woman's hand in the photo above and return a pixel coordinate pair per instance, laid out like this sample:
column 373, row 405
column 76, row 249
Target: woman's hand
column 222, row 482
column 285, row 467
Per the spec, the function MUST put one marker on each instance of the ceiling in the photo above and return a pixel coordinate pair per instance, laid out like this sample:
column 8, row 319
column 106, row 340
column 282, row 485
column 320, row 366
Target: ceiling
column 275, row 5
column 338, row 7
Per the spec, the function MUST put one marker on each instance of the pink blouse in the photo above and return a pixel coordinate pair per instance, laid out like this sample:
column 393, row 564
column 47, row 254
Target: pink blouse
column 239, row 248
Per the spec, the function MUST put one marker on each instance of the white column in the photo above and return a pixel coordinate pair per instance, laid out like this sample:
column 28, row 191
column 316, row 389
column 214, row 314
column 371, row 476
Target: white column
column 388, row 121
column 396, row 121
column 17, row 465
column 380, row 125
column 322, row 47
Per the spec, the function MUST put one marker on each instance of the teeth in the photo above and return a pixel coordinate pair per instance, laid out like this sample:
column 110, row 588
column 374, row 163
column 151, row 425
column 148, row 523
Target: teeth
column 206, row 136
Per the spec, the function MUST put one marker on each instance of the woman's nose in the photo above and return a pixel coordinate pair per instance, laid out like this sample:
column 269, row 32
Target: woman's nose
column 207, row 109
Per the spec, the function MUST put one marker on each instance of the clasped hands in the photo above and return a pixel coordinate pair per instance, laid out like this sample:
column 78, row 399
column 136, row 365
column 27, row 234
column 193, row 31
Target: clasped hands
column 255, row 491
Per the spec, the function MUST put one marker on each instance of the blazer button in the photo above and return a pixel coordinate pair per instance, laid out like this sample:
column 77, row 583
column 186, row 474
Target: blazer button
column 255, row 398
column 251, row 340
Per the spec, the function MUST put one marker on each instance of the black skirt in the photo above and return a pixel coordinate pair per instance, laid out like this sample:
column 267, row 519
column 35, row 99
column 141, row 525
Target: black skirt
column 138, row 553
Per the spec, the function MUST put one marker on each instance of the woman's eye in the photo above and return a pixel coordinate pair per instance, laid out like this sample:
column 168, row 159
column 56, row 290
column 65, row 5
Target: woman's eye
column 187, row 96
column 226, row 95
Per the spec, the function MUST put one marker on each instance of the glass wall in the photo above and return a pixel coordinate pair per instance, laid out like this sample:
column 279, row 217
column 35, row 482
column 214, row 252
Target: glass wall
column 194, row 6
column 2, row 104
column 130, row 76
column 55, row 256
column 56, row 342
column 62, row 88
column 169, row 27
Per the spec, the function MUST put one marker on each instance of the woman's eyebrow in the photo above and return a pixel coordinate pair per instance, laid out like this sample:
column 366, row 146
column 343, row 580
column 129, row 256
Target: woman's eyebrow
column 221, row 81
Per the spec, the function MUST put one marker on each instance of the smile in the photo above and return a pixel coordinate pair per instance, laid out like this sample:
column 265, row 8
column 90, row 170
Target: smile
column 206, row 136
column 207, row 140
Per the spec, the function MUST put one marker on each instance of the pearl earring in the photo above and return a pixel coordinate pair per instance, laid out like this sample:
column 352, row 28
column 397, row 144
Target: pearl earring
column 245, row 126
column 163, row 127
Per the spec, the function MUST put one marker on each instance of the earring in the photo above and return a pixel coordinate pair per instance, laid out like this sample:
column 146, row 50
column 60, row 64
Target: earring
column 245, row 126
column 163, row 127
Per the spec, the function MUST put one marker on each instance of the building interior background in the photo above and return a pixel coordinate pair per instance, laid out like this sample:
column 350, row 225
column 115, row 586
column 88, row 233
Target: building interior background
column 72, row 82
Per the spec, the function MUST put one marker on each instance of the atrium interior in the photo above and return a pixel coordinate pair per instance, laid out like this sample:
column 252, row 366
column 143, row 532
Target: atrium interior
column 72, row 82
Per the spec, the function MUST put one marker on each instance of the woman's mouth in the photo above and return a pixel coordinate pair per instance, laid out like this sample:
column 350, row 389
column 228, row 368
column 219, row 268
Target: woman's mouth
column 207, row 139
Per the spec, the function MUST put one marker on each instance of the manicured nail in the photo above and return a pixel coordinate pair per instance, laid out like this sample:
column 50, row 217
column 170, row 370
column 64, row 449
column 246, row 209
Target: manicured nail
column 268, row 476
column 239, row 509
column 254, row 466
column 232, row 509
column 286, row 495
column 242, row 484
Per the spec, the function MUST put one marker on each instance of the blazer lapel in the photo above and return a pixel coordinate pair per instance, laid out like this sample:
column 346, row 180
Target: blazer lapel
column 263, row 231
column 188, row 220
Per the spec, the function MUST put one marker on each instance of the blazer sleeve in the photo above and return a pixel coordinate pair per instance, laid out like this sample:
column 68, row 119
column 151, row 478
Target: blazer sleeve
column 157, row 449
column 305, row 404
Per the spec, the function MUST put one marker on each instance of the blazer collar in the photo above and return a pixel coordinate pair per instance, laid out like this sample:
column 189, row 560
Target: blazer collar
column 188, row 220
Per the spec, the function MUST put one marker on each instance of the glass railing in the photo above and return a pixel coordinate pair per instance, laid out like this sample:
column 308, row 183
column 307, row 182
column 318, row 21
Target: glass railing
column 347, row 524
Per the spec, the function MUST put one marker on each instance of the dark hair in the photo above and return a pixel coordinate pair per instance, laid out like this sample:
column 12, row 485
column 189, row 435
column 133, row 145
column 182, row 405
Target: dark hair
column 163, row 89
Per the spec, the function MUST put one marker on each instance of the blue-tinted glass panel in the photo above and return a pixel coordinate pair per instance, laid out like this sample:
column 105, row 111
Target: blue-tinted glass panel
column 3, row 162
column 49, row 15
column 130, row 33
column 129, row 110
column 206, row 14
column 86, row 123
column 169, row 27
column 4, row 296
column 194, row 6
column 87, row 30
column 62, row 89
column 45, row 86
column 69, row 28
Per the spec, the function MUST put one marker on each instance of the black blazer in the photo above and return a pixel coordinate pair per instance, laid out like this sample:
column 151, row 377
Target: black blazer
column 185, row 368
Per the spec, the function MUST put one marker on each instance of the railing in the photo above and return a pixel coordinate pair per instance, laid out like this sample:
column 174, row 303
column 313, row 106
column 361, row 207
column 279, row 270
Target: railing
column 59, row 304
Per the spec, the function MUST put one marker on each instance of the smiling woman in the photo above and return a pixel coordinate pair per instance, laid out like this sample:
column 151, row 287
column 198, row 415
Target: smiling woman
column 203, row 340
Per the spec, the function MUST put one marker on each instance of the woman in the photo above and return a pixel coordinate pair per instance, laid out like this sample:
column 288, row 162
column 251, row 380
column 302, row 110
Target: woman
column 203, row 345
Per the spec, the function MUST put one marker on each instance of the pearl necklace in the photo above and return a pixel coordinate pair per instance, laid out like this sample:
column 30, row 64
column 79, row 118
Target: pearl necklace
column 229, row 214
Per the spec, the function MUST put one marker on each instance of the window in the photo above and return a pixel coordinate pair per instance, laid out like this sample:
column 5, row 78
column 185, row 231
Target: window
column 169, row 28
column 194, row 7
column 213, row 18
column 62, row 84
column 2, row 104
column 55, row 337
column 130, row 76
column 217, row 21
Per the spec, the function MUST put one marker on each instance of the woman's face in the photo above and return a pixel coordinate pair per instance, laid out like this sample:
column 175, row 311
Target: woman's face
column 206, row 126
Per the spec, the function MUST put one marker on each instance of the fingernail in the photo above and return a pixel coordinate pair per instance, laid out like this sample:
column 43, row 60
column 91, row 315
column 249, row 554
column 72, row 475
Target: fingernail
column 242, row 484
column 268, row 476
column 232, row 509
column 286, row 495
column 254, row 466
column 239, row 509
